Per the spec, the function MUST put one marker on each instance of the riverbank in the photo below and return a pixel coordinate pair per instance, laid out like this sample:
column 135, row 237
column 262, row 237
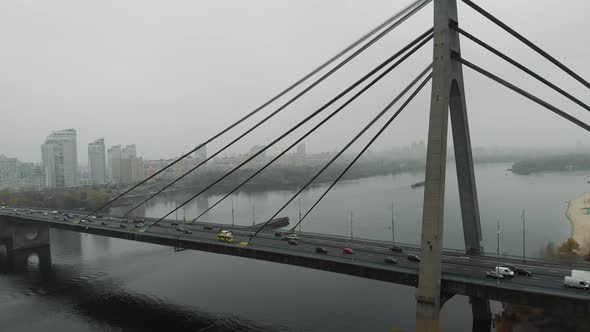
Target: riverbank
column 577, row 213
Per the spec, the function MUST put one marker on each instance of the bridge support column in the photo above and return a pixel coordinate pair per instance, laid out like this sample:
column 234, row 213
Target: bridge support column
column 447, row 92
column 482, row 318
column 23, row 235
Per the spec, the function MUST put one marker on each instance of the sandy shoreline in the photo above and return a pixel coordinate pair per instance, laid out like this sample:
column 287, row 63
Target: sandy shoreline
column 579, row 218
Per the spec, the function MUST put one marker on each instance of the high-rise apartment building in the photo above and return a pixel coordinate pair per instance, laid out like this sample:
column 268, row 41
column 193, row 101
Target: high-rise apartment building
column 60, row 159
column 16, row 175
column 97, row 164
column 131, row 165
column 114, row 163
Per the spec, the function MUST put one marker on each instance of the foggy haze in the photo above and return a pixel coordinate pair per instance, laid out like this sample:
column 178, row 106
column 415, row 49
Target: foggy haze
column 167, row 75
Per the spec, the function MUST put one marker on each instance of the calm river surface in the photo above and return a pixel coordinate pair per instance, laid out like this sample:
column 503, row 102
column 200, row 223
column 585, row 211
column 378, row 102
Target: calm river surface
column 102, row 284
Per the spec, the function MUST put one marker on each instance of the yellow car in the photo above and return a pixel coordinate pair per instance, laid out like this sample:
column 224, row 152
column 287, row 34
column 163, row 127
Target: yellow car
column 225, row 236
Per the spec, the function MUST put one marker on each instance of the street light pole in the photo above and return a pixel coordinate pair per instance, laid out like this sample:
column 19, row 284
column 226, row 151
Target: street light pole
column 232, row 213
column 498, row 250
column 252, row 214
column 176, row 206
column 523, row 238
column 299, row 214
column 351, row 224
column 392, row 226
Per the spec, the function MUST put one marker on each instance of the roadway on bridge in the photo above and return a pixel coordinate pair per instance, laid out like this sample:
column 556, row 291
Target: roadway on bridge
column 546, row 275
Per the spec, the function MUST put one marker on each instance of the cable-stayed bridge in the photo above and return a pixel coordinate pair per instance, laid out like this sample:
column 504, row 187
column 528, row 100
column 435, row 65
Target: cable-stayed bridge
column 439, row 274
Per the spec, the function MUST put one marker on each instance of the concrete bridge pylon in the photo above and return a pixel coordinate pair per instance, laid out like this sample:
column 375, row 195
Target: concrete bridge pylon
column 448, row 95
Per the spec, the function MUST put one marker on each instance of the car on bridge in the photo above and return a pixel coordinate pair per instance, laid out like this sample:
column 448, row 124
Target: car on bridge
column 395, row 248
column 321, row 250
column 348, row 251
column 188, row 231
column 293, row 237
column 225, row 236
column 571, row 282
column 104, row 223
column 390, row 260
column 293, row 242
column 413, row 258
column 519, row 270
column 503, row 270
column 139, row 225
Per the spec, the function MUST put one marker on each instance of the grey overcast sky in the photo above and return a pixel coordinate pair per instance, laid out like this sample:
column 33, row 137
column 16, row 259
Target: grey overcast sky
column 167, row 75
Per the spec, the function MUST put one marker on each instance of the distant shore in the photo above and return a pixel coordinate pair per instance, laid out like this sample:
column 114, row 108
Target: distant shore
column 577, row 213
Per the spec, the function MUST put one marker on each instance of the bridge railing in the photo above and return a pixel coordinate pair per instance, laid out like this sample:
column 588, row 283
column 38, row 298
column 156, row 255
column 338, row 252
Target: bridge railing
column 515, row 258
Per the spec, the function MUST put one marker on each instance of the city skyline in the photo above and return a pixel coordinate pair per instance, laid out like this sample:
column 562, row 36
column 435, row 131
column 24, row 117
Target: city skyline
column 169, row 95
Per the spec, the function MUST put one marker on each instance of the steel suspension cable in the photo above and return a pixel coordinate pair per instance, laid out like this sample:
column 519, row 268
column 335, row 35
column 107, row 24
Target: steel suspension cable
column 305, row 136
column 526, row 42
column 520, row 91
column 285, row 105
column 419, row 3
column 521, row 67
column 420, row 42
column 393, row 117
column 369, row 125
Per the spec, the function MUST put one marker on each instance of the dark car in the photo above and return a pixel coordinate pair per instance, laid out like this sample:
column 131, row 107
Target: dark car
column 278, row 234
column 321, row 250
column 390, row 260
column 122, row 226
column 188, row 231
column 173, row 224
column 293, row 242
column 395, row 248
column 104, row 223
column 207, row 227
column 519, row 270
column 413, row 258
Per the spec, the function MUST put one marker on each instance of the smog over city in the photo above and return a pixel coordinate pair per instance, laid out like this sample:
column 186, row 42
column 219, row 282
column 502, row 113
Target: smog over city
column 334, row 165
column 167, row 76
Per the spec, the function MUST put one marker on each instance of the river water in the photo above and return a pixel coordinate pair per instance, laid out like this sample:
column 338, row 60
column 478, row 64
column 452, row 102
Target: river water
column 102, row 284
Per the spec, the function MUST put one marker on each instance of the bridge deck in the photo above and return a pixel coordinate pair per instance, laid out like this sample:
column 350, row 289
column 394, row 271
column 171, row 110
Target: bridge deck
column 461, row 274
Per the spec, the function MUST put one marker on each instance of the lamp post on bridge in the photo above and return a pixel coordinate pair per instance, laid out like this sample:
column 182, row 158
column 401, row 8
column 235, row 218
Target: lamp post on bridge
column 523, row 239
column 498, row 250
column 351, row 225
column 392, row 227
column 232, row 213
column 300, row 215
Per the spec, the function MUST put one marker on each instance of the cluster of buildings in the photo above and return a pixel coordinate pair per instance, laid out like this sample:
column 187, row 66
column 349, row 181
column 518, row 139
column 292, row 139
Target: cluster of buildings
column 119, row 164
column 59, row 165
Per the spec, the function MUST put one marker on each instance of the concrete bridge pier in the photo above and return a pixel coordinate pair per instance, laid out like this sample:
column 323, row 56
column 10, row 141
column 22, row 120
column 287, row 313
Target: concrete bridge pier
column 482, row 319
column 25, row 240
column 447, row 97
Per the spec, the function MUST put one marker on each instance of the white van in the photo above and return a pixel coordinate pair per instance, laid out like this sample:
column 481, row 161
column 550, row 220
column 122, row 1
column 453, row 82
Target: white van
column 506, row 272
column 574, row 283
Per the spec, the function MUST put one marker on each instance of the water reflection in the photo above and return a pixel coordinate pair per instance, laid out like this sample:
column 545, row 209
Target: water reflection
column 101, row 297
column 95, row 283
